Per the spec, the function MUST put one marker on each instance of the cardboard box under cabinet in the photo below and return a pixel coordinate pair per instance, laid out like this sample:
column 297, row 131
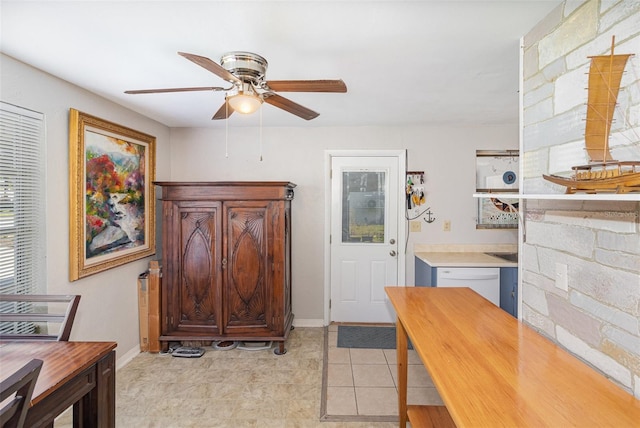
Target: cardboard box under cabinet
column 143, row 310
column 154, row 306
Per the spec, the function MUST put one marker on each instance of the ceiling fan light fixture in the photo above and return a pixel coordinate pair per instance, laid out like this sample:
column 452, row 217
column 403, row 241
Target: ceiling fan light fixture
column 245, row 103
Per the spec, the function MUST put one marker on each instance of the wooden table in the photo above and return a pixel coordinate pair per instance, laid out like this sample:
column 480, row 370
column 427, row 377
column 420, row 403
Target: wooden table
column 81, row 374
column 492, row 370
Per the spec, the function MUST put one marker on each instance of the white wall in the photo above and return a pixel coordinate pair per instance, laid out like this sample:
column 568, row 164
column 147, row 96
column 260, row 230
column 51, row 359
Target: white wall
column 108, row 308
column 446, row 154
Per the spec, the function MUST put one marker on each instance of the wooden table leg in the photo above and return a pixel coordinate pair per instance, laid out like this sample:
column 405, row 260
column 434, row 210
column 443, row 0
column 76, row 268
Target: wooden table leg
column 107, row 391
column 98, row 407
column 402, row 356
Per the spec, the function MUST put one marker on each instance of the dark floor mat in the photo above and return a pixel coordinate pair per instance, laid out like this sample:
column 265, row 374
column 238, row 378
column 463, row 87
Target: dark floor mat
column 373, row 337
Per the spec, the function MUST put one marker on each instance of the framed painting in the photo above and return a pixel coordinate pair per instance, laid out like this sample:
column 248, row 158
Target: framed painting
column 111, row 195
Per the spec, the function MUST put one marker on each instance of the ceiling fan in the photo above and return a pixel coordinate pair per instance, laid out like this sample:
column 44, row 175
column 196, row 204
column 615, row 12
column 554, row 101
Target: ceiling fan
column 245, row 71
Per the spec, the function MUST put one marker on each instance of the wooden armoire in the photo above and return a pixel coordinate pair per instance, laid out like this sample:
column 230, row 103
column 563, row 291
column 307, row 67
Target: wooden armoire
column 226, row 271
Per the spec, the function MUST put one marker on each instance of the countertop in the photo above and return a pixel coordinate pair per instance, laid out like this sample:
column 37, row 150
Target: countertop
column 465, row 255
column 462, row 259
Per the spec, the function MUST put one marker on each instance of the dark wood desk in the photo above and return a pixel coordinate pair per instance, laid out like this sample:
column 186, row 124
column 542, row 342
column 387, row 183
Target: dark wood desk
column 492, row 370
column 81, row 374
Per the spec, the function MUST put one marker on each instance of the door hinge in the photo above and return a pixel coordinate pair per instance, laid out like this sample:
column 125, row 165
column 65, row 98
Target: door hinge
column 329, row 303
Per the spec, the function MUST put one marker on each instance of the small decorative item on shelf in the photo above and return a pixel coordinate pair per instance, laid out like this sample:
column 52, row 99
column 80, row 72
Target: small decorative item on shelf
column 602, row 173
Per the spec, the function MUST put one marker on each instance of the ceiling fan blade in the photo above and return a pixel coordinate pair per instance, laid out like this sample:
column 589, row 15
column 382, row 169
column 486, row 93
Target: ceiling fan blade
column 223, row 112
column 288, row 105
column 216, row 69
column 307, row 85
column 157, row 91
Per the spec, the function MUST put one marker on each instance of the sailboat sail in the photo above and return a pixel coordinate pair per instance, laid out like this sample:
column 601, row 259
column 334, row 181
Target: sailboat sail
column 605, row 74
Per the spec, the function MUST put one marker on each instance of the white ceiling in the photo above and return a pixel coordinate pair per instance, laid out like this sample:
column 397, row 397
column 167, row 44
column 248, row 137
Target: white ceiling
column 404, row 62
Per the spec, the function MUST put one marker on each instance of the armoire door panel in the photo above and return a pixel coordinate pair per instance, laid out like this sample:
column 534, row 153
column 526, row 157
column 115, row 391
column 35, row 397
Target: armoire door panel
column 248, row 266
column 199, row 260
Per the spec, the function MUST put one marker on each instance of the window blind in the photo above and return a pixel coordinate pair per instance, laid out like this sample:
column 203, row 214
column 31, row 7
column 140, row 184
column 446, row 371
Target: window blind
column 22, row 204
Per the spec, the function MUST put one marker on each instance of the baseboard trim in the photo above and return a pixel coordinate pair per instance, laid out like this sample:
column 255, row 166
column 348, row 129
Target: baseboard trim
column 127, row 357
column 308, row 322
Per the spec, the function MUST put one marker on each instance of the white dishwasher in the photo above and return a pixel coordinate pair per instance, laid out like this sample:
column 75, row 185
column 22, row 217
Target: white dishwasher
column 484, row 281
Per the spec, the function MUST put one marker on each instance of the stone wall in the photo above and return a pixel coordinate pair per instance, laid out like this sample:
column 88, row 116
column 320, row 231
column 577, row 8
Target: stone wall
column 581, row 259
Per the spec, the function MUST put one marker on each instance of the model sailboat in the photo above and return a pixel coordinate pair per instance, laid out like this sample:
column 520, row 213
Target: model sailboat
column 602, row 173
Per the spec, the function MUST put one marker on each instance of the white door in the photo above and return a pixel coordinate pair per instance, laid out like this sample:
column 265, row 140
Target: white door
column 364, row 242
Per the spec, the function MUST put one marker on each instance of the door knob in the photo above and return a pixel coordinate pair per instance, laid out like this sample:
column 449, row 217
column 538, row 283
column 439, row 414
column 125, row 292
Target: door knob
column 393, row 253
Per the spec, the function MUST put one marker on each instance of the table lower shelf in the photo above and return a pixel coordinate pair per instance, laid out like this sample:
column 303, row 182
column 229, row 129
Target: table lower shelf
column 429, row 417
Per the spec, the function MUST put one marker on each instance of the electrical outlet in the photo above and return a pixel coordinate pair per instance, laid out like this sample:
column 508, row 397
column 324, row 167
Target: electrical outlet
column 446, row 226
column 415, row 226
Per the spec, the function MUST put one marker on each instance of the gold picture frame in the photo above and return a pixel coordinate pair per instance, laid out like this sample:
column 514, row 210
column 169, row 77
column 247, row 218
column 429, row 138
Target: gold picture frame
column 111, row 195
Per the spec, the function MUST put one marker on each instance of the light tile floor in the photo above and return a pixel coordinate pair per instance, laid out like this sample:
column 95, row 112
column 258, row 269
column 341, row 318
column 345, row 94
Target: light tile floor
column 240, row 389
column 364, row 381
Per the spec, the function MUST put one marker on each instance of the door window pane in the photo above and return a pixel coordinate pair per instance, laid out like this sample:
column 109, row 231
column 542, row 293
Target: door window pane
column 363, row 203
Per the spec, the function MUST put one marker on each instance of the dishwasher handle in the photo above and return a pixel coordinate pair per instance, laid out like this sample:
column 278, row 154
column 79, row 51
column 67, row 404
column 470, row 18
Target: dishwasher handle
column 475, row 276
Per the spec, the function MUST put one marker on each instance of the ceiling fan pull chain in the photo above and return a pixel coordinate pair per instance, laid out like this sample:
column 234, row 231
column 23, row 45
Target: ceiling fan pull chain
column 226, row 130
column 260, row 135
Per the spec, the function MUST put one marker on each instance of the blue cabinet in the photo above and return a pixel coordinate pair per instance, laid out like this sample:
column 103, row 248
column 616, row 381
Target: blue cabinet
column 425, row 274
column 509, row 290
